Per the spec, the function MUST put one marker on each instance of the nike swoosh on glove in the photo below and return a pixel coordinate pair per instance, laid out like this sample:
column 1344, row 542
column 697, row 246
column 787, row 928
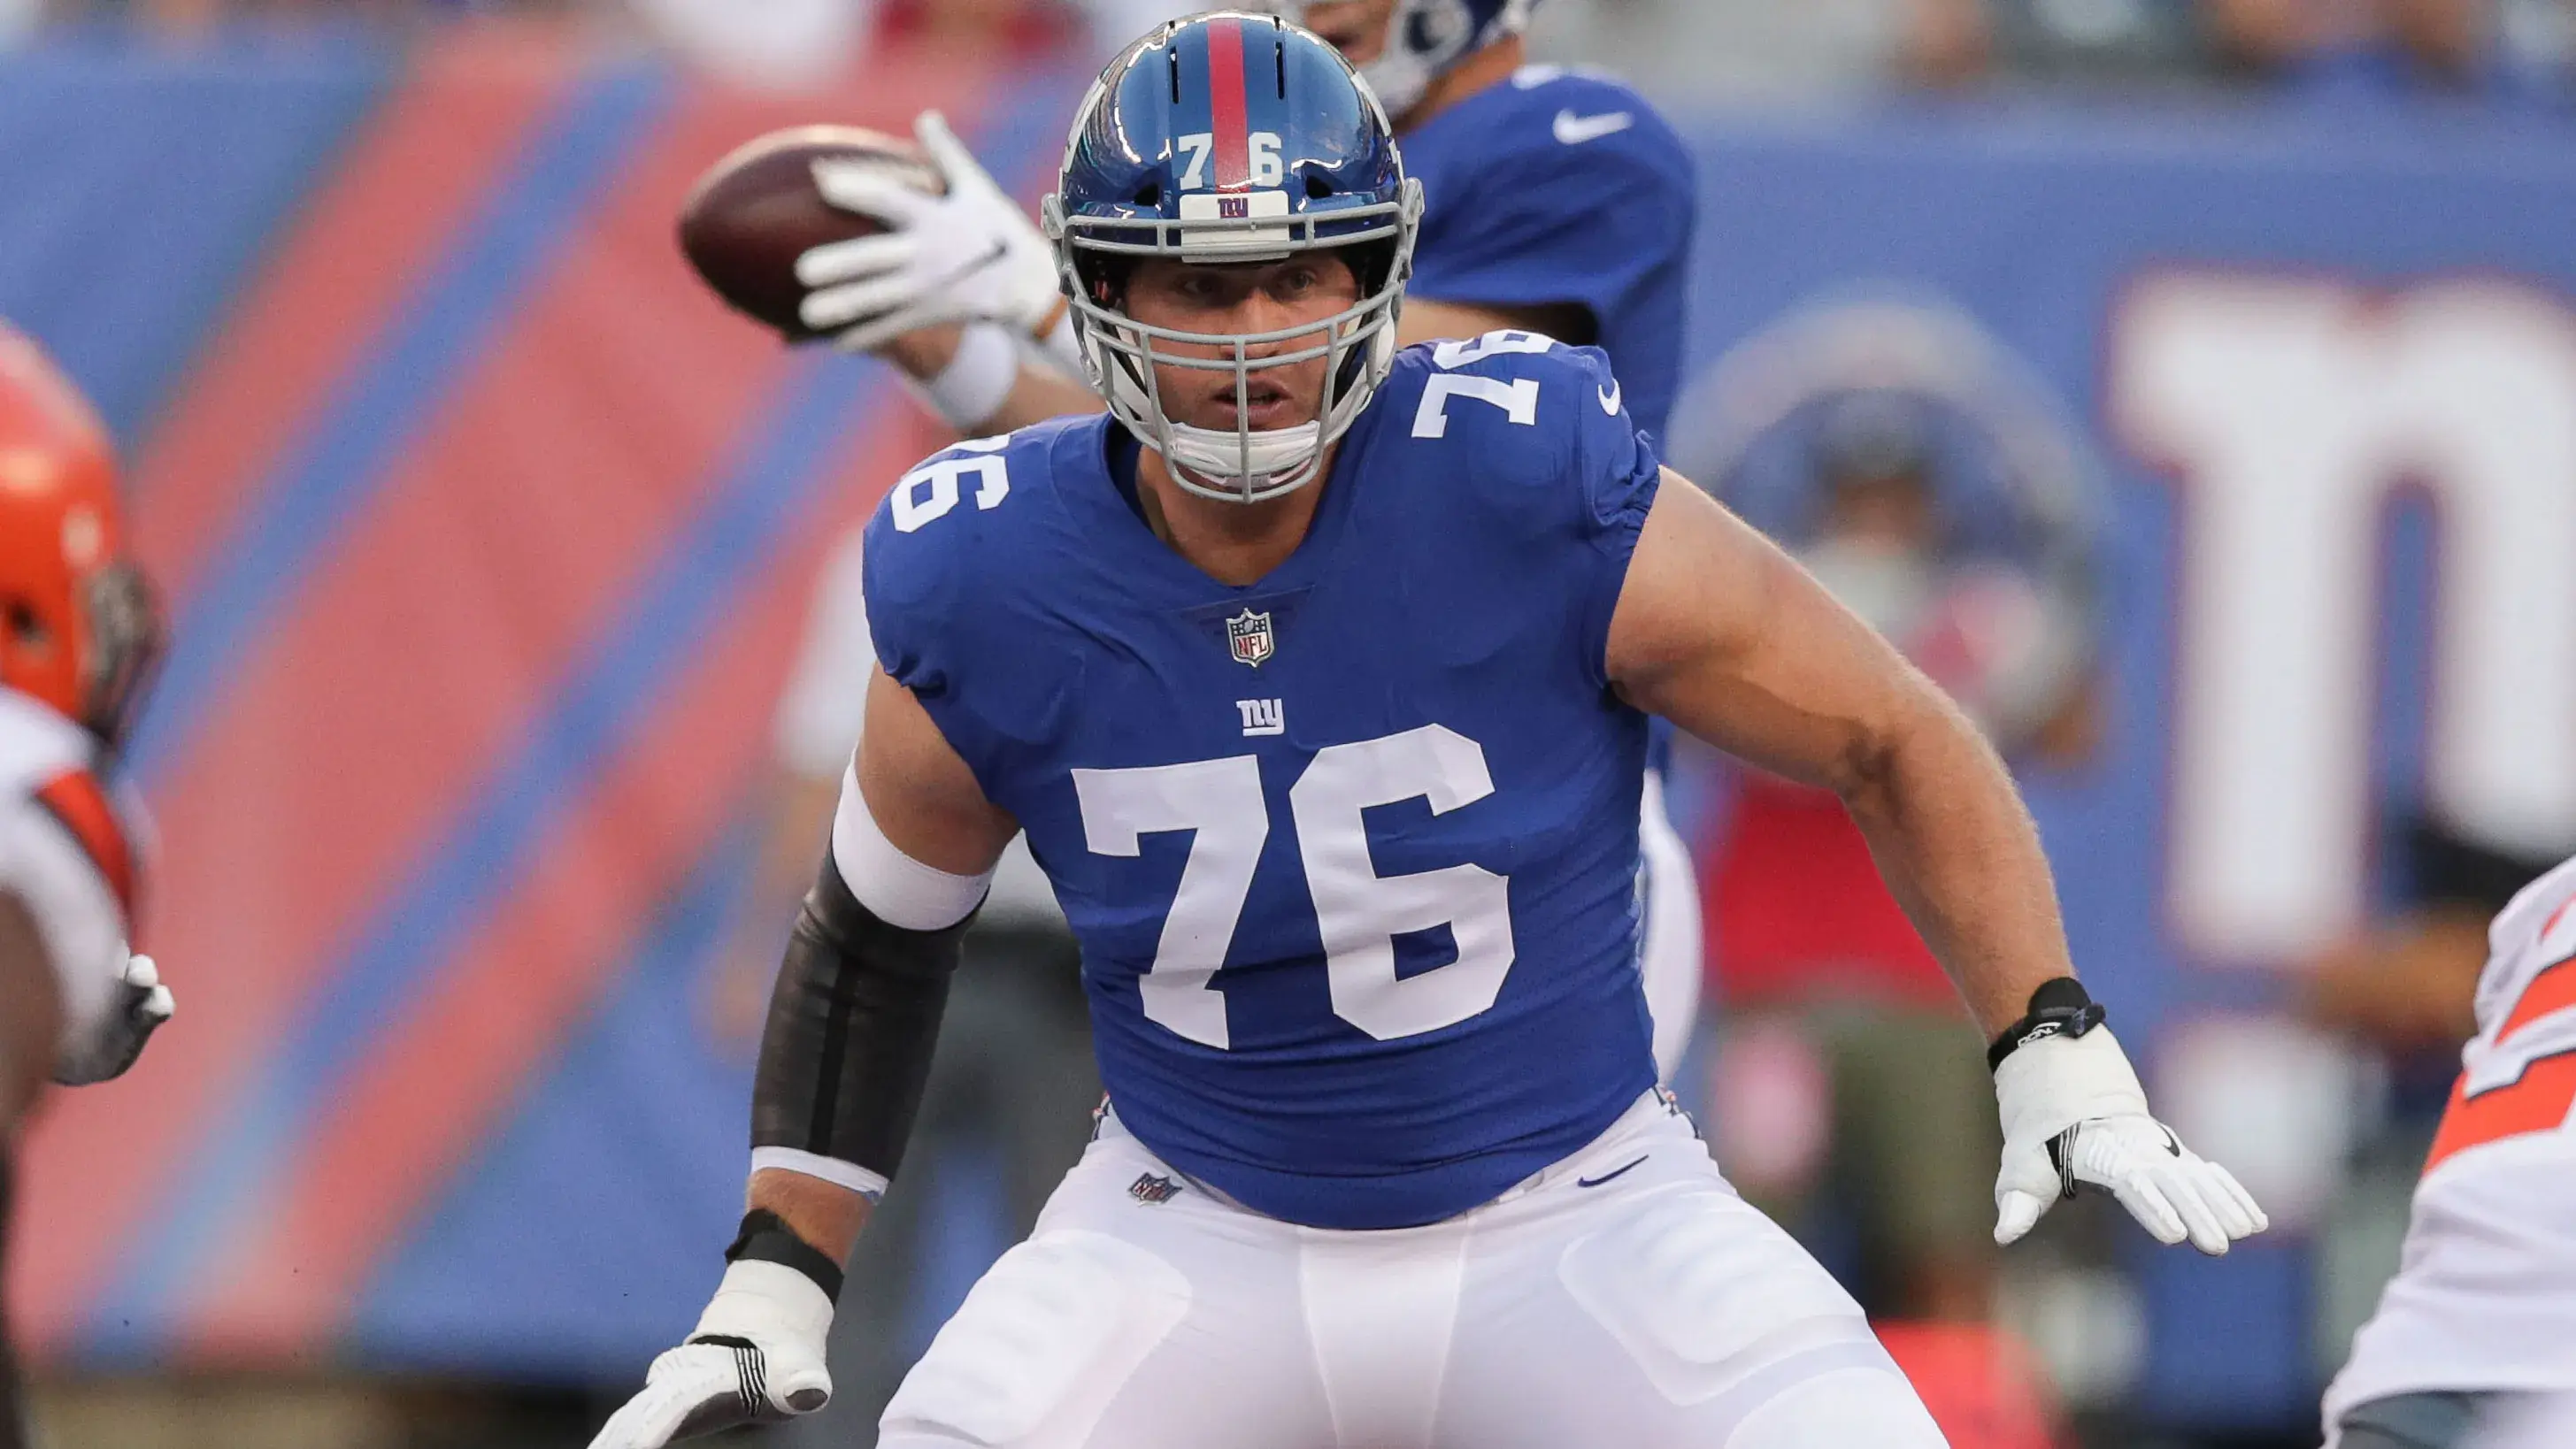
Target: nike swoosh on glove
column 756, row 1358
column 971, row 255
column 2074, row 1115
column 140, row 1007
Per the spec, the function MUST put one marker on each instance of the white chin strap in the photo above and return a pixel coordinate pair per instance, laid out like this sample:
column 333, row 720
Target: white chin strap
column 1243, row 467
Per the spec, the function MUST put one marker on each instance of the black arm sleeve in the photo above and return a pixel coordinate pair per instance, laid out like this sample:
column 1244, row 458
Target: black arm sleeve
column 851, row 1024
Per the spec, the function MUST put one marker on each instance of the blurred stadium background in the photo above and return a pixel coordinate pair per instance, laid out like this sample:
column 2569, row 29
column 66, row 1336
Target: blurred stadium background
column 2244, row 326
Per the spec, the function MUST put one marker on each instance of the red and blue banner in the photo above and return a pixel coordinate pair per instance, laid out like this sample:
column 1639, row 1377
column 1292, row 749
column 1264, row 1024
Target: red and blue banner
column 487, row 532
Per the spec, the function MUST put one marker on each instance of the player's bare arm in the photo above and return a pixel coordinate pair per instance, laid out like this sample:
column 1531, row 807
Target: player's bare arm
column 922, row 795
column 1719, row 631
column 1035, row 391
column 843, row 1063
column 929, row 807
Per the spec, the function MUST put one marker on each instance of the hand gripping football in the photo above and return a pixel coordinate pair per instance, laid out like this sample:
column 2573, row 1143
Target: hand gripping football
column 757, row 210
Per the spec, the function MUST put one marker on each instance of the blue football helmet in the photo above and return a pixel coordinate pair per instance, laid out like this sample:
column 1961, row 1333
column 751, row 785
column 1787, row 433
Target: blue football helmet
column 1229, row 138
column 1426, row 37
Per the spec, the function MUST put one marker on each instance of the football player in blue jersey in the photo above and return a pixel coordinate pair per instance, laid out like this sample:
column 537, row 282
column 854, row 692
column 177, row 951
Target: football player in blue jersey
column 1555, row 201
column 1317, row 674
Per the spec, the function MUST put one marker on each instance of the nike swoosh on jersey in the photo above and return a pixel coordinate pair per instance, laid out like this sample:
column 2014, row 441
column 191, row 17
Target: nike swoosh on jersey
column 1605, row 1177
column 1574, row 130
column 1610, row 398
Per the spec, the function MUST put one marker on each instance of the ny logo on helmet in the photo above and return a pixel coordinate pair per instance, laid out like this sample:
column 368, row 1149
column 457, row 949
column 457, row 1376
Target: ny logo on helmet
column 1234, row 208
column 1248, row 634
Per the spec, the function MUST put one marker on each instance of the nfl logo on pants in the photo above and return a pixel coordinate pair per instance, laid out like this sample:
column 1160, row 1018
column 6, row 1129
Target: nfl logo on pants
column 1248, row 634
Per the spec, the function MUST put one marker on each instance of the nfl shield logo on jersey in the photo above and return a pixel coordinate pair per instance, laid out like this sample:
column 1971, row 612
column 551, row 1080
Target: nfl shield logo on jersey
column 1249, row 634
column 1153, row 1189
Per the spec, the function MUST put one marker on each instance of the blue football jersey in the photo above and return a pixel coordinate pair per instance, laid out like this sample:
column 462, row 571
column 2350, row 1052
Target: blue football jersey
column 1352, row 851
column 1563, row 186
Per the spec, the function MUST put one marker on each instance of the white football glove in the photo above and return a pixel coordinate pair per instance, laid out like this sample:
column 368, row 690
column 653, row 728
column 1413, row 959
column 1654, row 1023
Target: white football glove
column 756, row 1357
column 971, row 255
column 140, row 1006
column 2073, row 1113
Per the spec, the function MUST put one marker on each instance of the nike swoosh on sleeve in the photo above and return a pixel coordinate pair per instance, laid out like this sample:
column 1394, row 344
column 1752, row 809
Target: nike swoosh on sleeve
column 1574, row 130
column 1610, row 398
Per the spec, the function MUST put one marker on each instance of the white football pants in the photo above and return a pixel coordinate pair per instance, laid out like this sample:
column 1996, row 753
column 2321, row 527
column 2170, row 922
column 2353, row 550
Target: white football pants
column 1668, row 956
column 1625, row 1298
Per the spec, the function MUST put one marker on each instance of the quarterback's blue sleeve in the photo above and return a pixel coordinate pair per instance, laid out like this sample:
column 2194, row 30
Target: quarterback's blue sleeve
column 1619, row 474
column 1596, row 224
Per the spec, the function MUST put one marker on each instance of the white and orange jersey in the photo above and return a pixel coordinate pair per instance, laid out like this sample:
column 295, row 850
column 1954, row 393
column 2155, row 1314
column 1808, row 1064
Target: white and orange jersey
column 2485, row 1295
column 69, row 850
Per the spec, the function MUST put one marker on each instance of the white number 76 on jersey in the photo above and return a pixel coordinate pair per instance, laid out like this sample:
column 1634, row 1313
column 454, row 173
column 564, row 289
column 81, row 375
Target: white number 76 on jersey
column 1359, row 911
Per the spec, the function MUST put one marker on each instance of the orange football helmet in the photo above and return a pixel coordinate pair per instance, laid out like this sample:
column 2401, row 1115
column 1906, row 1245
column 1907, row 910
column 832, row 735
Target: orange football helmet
column 79, row 626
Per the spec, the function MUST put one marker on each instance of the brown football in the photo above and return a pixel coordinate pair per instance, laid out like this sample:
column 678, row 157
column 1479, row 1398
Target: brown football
column 757, row 210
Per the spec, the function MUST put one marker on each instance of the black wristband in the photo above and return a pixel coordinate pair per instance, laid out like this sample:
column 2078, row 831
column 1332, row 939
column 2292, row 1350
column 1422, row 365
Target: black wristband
column 2060, row 1007
column 766, row 1238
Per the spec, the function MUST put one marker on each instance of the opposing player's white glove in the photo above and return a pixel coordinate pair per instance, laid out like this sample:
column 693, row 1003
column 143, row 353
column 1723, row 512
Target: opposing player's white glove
column 140, row 1006
column 970, row 255
column 2073, row 1113
column 756, row 1357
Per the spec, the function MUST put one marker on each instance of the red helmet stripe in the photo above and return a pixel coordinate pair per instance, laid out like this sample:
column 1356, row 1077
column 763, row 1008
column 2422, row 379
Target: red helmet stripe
column 1226, row 104
column 76, row 799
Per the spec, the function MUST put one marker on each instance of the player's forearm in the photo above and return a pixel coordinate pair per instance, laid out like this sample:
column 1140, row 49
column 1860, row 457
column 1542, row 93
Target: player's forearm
column 824, row 1214
column 1722, row 633
column 845, row 1058
column 1039, row 394
column 1959, row 850
column 984, row 395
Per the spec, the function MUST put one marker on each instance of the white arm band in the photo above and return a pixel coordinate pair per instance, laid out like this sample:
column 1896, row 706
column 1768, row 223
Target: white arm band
column 869, row 1185
column 976, row 382
column 898, row 889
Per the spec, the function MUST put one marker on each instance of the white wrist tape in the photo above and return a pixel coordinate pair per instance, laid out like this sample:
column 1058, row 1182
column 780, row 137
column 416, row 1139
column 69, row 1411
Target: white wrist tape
column 766, row 1302
column 976, row 382
column 869, row 1185
column 900, row 890
column 2050, row 1085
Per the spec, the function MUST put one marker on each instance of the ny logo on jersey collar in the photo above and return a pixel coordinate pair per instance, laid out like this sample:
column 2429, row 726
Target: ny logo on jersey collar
column 1248, row 635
